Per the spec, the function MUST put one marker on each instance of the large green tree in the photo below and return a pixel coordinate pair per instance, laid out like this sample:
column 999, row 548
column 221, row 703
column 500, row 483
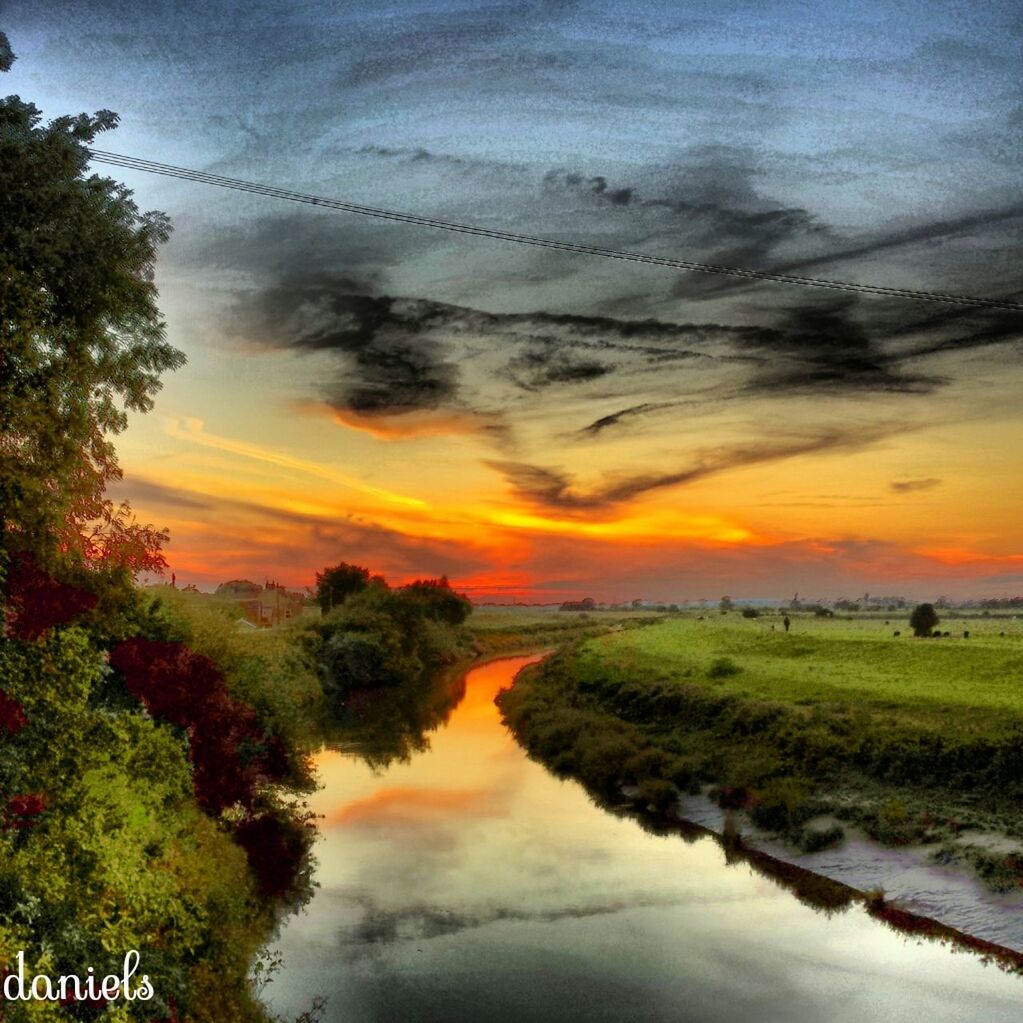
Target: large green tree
column 81, row 339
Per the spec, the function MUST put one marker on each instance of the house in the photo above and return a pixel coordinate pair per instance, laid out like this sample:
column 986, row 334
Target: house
column 263, row 606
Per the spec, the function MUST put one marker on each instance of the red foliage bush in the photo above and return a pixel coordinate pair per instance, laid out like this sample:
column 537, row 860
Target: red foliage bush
column 12, row 715
column 35, row 601
column 231, row 753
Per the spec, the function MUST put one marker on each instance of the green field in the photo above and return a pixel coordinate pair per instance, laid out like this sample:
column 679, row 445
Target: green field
column 953, row 683
column 910, row 739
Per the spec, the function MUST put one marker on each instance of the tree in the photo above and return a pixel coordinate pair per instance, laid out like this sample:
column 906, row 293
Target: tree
column 335, row 585
column 923, row 619
column 81, row 339
column 725, row 604
column 436, row 599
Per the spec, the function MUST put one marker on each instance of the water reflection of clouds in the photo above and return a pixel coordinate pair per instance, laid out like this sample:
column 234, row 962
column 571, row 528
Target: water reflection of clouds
column 379, row 924
column 413, row 806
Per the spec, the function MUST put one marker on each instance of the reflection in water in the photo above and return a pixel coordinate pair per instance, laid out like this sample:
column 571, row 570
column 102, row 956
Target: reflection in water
column 392, row 724
column 467, row 883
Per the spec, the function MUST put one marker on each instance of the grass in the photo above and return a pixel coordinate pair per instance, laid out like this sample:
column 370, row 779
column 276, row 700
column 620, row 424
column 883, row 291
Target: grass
column 512, row 629
column 910, row 739
column 952, row 684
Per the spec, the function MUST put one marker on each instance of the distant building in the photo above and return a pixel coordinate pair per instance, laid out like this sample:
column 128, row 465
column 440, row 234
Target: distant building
column 263, row 606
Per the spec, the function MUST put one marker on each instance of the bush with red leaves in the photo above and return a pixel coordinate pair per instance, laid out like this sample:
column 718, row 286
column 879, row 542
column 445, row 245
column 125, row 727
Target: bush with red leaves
column 36, row 602
column 230, row 751
column 12, row 715
column 20, row 812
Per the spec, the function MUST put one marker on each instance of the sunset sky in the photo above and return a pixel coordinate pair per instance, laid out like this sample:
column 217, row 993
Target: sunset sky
column 541, row 425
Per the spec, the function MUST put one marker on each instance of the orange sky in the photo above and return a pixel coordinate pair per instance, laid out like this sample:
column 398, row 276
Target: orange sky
column 272, row 486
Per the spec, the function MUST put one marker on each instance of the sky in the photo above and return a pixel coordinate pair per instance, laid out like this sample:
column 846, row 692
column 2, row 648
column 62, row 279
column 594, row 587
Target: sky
column 542, row 425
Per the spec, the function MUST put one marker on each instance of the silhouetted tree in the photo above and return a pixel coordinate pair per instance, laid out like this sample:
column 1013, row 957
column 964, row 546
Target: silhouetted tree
column 334, row 585
column 438, row 601
column 923, row 619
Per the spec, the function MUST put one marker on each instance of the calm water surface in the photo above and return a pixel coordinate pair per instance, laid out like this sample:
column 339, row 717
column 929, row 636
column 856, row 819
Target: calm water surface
column 470, row 884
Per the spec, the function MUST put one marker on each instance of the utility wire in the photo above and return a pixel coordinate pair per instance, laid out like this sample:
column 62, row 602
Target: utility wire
column 202, row 177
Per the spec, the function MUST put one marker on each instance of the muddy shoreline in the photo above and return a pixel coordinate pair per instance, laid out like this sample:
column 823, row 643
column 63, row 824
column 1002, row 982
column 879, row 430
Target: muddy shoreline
column 902, row 887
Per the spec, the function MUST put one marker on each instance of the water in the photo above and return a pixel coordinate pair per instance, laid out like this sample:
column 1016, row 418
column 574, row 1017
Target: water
column 471, row 885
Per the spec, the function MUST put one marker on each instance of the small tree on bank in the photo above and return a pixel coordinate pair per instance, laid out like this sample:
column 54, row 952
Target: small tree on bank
column 923, row 619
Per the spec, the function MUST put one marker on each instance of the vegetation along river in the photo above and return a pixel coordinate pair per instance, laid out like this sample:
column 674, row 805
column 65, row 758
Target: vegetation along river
column 468, row 883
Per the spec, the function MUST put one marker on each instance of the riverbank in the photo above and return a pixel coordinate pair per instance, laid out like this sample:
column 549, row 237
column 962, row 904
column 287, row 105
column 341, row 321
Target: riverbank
column 911, row 742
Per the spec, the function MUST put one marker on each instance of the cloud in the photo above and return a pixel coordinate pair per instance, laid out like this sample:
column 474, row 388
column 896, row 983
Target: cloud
column 158, row 495
column 709, row 206
column 555, row 489
column 539, row 367
column 219, row 538
column 821, row 346
column 412, row 805
column 422, row 921
column 918, row 234
column 911, row 486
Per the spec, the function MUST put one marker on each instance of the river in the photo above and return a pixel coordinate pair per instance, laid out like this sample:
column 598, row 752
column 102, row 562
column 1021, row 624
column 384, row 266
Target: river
column 469, row 884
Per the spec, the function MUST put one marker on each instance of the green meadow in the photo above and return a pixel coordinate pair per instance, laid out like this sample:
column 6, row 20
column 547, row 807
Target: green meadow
column 949, row 684
column 912, row 740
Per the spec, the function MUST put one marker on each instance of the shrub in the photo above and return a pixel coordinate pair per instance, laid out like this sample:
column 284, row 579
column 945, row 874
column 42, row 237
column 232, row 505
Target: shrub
column 723, row 667
column 356, row 660
column 658, row 794
column 276, row 848
column 813, row 840
column 778, row 804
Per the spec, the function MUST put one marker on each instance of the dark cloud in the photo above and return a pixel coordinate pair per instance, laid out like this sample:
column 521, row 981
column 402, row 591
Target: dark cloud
column 911, row 486
column 822, row 346
column 398, row 355
column 623, row 415
column 388, row 366
column 539, row 367
column 910, row 236
column 709, row 203
column 401, row 355
column 380, row 926
column 423, row 156
column 559, row 181
column 555, row 489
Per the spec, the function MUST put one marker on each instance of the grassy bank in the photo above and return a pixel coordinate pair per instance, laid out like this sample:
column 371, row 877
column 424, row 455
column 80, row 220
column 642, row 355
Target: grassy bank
column 914, row 740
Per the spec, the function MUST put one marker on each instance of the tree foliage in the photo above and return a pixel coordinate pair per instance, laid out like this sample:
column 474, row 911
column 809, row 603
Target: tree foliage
column 923, row 619
column 335, row 585
column 379, row 637
column 81, row 339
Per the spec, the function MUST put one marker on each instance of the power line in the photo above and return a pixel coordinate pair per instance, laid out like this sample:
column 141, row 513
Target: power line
column 202, row 177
